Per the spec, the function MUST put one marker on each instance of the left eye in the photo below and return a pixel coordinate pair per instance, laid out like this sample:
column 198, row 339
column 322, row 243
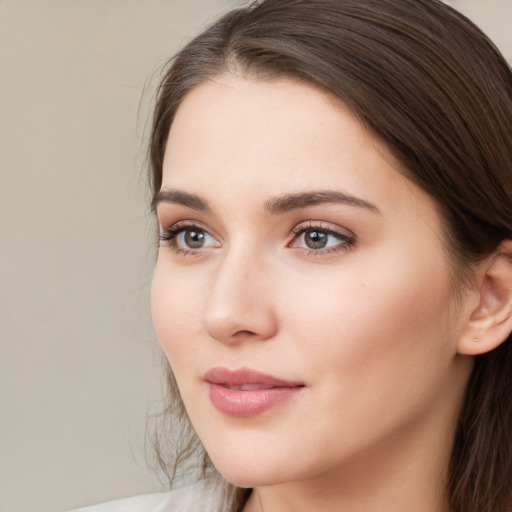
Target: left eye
column 194, row 239
column 188, row 237
column 316, row 239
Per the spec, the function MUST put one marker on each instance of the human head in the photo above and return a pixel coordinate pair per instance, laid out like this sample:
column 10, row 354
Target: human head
column 431, row 86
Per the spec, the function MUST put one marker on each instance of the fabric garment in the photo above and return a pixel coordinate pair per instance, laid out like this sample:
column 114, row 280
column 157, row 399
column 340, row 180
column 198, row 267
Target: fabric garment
column 204, row 496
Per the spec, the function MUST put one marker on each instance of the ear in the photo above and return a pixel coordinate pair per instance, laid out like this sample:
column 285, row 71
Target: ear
column 490, row 322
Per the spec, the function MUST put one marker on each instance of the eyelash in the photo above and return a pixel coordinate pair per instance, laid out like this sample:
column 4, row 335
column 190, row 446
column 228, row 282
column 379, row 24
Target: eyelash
column 170, row 234
column 346, row 242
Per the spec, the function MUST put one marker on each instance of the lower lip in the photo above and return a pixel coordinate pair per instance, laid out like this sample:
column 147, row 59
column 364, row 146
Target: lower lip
column 235, row 402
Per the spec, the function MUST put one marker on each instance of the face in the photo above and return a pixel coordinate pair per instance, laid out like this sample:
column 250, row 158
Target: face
column 302, row 291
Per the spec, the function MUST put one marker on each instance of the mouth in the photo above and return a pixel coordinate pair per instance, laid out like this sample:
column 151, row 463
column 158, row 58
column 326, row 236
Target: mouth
column 246, row 392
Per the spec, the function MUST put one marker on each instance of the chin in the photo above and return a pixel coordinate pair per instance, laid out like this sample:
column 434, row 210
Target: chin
column 253, row 470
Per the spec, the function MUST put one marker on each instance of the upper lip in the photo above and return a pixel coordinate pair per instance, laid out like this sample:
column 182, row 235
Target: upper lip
column 246, row 376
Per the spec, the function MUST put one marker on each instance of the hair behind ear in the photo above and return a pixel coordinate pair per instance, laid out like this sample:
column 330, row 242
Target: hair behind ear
column 485, row 426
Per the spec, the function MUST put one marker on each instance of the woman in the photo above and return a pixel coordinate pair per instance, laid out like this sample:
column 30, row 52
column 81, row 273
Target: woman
column 333, row 288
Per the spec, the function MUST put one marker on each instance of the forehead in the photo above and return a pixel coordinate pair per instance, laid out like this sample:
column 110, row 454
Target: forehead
column 244, row 135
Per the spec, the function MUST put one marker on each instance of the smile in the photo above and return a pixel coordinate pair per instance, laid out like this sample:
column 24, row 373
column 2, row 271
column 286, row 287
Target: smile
column 245, row 392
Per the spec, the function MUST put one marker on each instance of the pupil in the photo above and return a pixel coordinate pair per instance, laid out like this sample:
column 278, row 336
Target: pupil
column 194, row 239
column 316, row 239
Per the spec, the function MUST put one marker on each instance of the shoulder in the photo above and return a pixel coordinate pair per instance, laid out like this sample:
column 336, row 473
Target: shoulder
column 204, row 496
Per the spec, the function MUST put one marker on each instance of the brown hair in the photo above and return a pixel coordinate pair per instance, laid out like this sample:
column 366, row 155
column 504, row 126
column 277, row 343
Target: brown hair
column 433, row 87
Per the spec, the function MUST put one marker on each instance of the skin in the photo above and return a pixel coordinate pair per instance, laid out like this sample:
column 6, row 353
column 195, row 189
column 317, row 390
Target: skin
column 370, row 324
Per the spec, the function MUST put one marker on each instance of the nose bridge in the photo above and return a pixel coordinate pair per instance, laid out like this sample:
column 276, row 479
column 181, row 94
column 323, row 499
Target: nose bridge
column 238, row 305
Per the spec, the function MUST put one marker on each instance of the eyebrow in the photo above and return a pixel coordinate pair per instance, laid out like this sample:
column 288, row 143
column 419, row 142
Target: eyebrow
column 289, row 202
column 179, row 197
column 274, row 205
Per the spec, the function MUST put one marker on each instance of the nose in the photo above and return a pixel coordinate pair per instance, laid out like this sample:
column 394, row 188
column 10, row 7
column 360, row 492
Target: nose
column 239, row 303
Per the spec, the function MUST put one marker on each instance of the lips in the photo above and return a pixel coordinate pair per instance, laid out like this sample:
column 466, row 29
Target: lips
column 246, row 392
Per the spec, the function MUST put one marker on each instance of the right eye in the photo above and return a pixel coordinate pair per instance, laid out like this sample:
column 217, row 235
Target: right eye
column 188, row 237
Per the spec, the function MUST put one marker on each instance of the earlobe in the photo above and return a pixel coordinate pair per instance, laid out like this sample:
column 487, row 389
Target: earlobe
column 490, row 322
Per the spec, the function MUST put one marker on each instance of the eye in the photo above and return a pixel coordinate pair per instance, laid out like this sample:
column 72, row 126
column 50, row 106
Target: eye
column 317, row 239
column 184, row 237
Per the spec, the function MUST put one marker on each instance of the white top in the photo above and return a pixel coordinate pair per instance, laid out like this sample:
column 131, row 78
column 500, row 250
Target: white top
column 205, row 496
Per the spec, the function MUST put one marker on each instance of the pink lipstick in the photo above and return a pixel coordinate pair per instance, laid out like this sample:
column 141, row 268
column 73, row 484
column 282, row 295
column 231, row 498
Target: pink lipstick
column 246, row 392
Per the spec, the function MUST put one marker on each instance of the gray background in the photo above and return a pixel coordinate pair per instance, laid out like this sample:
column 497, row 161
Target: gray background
column 79, row 364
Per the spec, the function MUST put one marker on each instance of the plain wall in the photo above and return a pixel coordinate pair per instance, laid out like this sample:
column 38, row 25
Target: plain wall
column 79, row 363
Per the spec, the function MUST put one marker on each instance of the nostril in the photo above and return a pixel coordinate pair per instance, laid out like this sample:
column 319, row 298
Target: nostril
column 245, row 334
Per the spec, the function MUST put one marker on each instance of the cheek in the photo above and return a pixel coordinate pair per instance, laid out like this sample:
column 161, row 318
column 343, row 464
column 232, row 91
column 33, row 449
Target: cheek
column 176, row 322
column 373, row 324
